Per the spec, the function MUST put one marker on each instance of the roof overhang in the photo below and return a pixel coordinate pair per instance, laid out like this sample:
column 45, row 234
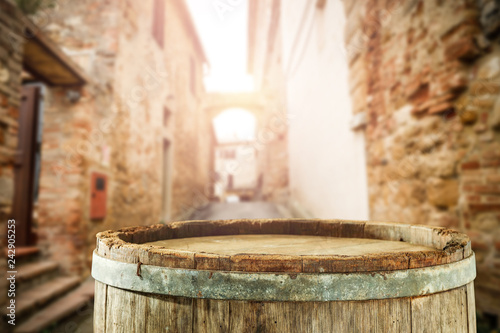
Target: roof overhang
column 188, row 20
column 47, row 62
column 252, row 19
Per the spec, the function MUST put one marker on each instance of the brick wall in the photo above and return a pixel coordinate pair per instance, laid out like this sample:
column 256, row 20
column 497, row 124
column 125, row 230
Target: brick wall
column 427, row 75
column 10, row 94
column 66, row 157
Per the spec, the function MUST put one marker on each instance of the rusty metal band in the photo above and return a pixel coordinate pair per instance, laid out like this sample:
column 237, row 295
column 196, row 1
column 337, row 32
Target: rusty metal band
column 284, row 286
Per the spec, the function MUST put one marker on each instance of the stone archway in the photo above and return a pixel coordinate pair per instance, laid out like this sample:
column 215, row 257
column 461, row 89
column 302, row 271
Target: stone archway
column 216, row 103
column 270, row 138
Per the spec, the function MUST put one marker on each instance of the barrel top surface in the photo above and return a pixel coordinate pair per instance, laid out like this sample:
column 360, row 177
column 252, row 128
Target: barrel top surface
column 285, row 246
column 288, row 245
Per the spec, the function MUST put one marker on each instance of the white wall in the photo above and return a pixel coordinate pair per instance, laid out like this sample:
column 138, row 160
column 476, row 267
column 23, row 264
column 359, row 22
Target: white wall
column 327, row 158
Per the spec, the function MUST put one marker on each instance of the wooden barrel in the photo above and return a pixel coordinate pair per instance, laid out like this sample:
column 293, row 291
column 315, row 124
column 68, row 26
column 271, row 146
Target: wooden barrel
column 284, row 276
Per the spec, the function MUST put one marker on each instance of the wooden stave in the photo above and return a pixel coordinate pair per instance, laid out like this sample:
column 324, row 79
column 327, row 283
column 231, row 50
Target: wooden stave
column 118, row 310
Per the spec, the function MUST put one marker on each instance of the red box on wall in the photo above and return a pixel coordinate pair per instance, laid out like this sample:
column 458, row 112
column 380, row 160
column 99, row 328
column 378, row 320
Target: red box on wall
column 98, row 195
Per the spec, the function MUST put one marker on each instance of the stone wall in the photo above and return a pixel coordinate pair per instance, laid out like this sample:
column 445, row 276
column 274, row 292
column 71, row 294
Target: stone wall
column 426, row 73
column 10, row 96
column 265, row 64
column 10, row 77
column 190, row 127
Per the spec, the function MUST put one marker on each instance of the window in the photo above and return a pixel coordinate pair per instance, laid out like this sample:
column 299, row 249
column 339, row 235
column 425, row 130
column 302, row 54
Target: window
column 228, row 154
column 159, row 21
column 166, row 116
column 320, row 4
column 193, row 76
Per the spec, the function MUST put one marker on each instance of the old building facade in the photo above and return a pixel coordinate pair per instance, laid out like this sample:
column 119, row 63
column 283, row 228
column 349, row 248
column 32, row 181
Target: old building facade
column 125, row 144
column 138, row 123
column 269, row 140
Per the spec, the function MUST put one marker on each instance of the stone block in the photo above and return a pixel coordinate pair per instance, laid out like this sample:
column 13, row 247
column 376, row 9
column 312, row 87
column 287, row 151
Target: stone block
column 484, row 87
column 441, row 108
column 487, row 222
column 442, row 164
column 463, row 49
column 444, row 219
column 442, row 192
column 494, row 117
column 471, row 165
column 468, row 117
column 490, row 18
column 493, row 179
column 487, row 189
column 489, row 67
column 7, row 192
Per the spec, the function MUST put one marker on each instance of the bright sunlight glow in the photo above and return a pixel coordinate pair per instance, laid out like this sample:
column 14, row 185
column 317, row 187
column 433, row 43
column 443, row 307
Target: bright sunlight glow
column 234, row 125
column 225, row 42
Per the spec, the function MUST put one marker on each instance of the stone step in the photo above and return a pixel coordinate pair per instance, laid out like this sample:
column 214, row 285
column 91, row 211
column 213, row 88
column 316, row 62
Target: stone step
column 26, row 251
column 24, row 254
column 34, row 274
column 36, row 297
column 30, row 271
column 71, row 303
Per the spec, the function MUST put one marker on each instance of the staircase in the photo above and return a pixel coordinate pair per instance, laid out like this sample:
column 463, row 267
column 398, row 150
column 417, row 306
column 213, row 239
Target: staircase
column 43, row 295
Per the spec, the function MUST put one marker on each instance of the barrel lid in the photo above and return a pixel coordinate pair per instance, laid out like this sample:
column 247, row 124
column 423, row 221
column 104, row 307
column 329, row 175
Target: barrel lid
column 285, row 245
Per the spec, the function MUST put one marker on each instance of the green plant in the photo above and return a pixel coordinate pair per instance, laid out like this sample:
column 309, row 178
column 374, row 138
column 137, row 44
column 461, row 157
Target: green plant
column 31, row 7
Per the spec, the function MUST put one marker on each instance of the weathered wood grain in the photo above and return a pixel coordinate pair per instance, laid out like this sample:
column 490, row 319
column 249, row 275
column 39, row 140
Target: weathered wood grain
column 244, row 316
column 100, row 306
column 471, row 307
column 388, row 231
column 279, row 317
column 441, row 312
column 287, row 245
column 167, row 313
column 211, row 316
column 125, row 311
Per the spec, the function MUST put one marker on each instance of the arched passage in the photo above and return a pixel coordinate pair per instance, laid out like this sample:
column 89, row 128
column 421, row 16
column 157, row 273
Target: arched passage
column 249, row 157
column 235, row 125
column 235, row 160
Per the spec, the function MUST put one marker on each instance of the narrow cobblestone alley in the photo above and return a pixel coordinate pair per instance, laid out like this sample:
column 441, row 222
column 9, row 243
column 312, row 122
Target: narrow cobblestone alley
column 239, row 210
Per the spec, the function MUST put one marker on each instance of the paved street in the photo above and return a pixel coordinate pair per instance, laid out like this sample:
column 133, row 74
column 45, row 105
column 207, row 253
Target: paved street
column 238, row 210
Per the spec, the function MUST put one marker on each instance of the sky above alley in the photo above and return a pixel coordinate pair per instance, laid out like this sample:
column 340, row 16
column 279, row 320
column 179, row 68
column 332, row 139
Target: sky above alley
column 222, row 27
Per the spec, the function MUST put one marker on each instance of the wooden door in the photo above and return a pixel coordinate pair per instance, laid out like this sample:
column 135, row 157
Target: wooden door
column 99, row 195
column 22, row 209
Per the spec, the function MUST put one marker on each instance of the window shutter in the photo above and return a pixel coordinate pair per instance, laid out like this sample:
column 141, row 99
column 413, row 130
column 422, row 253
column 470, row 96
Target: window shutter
column 159, row 22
